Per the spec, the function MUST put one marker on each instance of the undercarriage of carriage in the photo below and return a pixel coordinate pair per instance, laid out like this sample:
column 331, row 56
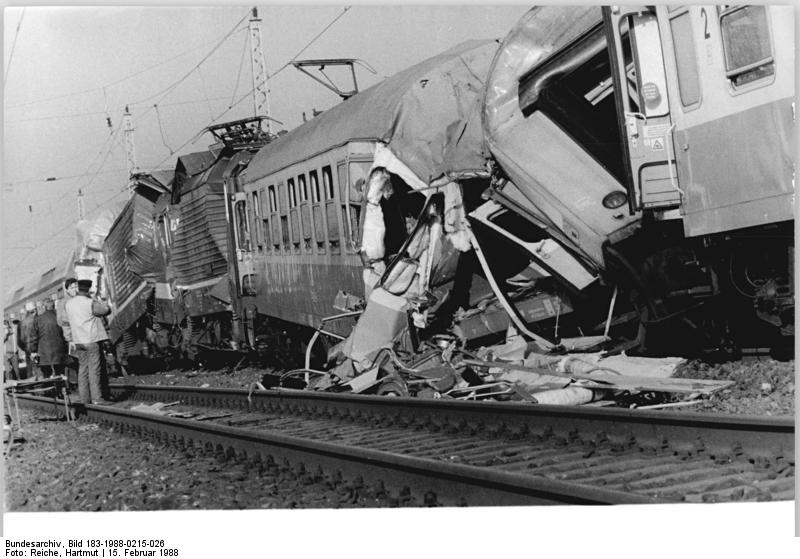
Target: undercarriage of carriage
column 714, row 297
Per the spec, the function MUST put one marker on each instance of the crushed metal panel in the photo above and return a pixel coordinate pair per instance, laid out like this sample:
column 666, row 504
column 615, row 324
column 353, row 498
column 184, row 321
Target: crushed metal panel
column 383, row 319
column 547, row 252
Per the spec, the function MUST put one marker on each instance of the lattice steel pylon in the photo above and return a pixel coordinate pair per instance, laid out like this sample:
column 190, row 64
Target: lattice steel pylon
column 259, row 68
column 130, row 147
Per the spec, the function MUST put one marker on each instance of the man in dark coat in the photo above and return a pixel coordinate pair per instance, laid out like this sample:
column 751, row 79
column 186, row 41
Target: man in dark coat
column 25, row 338
column 48, row 342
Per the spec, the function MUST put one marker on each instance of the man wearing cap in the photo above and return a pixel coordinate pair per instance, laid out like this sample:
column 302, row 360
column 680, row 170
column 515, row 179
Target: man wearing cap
column 10, row 342
column 86, row 325
column 48, row 342
column 26, row 326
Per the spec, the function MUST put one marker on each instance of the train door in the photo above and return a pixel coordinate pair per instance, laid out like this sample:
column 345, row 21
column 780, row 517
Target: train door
column 637, row 62
column 243, row 244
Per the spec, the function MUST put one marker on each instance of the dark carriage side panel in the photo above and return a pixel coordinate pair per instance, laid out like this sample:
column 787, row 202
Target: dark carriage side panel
column 199, row 250
column 302, row 289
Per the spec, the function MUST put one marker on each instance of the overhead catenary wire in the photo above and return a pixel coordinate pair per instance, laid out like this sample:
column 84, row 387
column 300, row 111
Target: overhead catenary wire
column 59, row 179
column 198, row 135
column 13, row 46
column 110, row 84
column 111, row 143
column 169, row 88
column 120, row 108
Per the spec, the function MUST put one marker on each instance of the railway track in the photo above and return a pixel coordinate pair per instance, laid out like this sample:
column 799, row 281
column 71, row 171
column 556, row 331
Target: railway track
column 438, row 452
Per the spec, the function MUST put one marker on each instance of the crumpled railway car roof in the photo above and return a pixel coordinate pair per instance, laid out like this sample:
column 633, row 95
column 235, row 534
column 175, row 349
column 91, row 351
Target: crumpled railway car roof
column 429, row 115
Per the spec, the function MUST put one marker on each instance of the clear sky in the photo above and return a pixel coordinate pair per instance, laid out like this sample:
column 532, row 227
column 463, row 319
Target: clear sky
column 68, row 71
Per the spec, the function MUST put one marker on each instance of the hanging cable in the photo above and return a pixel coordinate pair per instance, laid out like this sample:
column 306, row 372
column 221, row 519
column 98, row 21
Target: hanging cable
column 13, row 46
column 205, row 92
column 161, row 129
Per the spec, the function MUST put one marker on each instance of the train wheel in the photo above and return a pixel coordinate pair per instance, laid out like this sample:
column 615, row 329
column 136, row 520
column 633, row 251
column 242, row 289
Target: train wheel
column 393, row 388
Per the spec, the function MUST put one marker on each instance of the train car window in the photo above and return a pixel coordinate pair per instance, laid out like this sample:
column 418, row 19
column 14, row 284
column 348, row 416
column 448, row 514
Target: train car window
column 286, row 243
column 242, row 236
column 294, row 219
column 272, row 221
column 315, row 193
column 301, row 181
column 685, row 59
column 257, row 224
column 327, row 181
column 331, row 210
column 746, row 44
column 318, row 211
column 351, row 194
column 292, row 194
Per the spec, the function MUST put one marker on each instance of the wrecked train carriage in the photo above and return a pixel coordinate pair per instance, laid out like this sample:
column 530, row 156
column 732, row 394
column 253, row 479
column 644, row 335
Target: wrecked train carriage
column 368, row 193
column 660, row 189
column 171, row 253
column 134, row 263
column 199, row 291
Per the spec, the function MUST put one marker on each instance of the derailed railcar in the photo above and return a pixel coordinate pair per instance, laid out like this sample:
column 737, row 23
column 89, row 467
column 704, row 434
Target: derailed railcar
column 198, row 292
column 656, row 146
column 133, row 262
column 307, row 196
column 363, row 209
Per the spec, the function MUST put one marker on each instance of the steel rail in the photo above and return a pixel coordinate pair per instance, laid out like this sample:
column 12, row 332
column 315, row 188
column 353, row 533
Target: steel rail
column 758, row 437
column 424, row 481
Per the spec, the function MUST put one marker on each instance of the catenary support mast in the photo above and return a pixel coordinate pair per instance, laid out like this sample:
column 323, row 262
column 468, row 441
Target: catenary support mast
column 259, row 68
column 130, row 147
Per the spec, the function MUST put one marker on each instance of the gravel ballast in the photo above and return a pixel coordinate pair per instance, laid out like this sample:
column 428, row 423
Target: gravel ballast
column 81, row 466
column 55, row 466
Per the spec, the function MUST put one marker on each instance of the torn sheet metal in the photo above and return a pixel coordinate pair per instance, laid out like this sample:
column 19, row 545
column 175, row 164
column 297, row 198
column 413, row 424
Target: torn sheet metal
column 383, row 319
column 547, row 253
column 605, row 379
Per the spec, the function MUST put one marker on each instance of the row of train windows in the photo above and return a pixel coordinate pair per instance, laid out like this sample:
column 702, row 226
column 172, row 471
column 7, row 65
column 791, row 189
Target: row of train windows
column 746, row 46
column 303, row 214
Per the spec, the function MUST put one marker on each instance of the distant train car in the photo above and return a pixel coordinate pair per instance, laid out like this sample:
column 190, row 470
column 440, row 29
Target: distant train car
column 656, row 145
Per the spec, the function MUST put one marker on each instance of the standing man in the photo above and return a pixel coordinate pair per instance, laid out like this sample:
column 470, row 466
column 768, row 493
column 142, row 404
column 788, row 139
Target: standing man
column 26, row 327
column 87, row 330
column 70, row 290
column 48, row 342
column 10, row 342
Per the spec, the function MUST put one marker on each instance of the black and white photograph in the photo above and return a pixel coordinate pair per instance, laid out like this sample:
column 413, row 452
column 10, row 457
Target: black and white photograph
column 377, row 278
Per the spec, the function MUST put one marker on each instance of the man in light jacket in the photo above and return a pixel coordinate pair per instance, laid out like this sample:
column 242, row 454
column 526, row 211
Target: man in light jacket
column 86, row 326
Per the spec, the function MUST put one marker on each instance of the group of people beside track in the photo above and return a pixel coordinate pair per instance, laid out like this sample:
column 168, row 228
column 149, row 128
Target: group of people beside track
column 52, row 335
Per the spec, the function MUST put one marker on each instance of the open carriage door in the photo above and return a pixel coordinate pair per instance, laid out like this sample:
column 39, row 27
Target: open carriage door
column 637, row 67
column 243, row 244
